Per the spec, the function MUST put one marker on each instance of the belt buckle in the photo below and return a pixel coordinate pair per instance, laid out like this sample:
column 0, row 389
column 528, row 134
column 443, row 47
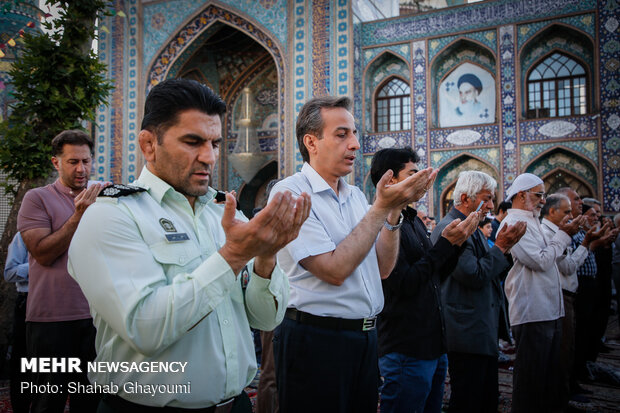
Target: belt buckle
column 369, row 323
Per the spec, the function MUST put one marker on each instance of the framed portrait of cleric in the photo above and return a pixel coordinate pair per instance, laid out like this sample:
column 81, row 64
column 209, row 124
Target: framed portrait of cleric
column 467, row 97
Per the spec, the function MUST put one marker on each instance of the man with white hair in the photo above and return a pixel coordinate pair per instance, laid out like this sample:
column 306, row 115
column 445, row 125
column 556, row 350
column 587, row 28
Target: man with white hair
column 472, row 298
column 534, row 295
column 557, row 207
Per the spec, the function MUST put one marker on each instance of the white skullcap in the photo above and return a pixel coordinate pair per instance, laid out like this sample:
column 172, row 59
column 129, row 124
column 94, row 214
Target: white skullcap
column 522, row 182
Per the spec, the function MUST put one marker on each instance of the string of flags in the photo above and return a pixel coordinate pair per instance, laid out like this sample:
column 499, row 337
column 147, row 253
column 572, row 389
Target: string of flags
column 12, row 42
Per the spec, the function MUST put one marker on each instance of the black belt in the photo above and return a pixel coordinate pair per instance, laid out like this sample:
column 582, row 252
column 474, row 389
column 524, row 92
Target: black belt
column 122, row 405
column 569, row 293
column 333, row 323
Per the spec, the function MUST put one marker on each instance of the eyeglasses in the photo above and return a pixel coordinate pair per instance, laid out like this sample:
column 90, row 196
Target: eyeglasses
column 540, row 195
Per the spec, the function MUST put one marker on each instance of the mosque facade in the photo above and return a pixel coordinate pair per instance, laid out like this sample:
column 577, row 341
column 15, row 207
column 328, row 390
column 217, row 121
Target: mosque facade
column 500, row 86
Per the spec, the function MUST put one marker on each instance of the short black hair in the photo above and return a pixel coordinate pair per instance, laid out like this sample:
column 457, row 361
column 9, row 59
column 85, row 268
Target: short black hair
column 485, row 221
column 310, row 120
column 168, row 99
column 71, row 137
column 504, row 206
column 391, row 158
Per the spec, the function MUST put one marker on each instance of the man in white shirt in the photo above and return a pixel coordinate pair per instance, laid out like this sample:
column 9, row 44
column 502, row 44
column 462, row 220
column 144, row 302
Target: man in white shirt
column 159, row 264
column 535, row 300
column 557, row 207
column 326, row 347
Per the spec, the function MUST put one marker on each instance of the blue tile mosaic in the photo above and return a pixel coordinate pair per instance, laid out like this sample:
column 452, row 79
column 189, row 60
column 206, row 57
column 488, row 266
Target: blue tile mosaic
column 470, row 136
column 588, row 148
column 560, row 128
column 474, row 16
column 585, row 22
column 608, row 14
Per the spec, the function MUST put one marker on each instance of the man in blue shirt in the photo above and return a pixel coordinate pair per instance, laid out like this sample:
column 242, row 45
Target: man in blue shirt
column 16, row 270
column 328, row 341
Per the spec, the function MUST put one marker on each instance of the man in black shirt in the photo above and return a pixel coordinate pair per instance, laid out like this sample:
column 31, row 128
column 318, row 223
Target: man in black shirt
column 412, row 346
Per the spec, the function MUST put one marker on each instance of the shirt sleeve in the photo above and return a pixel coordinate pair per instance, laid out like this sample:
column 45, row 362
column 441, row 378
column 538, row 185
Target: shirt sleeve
column 529, row 252
column 32, row 213
column 313, row 238
column 569, row 263
column 266, row 299
column 16, row 268
column 129, row 289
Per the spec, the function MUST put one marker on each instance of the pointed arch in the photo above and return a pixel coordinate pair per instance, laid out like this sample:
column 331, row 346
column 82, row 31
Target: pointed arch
column 177, row 44
column 558, row 159
column 377, row 72
column 564, row 40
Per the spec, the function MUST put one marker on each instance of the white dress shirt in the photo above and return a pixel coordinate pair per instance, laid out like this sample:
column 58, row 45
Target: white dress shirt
column 331, row 220
column 533, row 284
column 153, row 300
column 569, row 262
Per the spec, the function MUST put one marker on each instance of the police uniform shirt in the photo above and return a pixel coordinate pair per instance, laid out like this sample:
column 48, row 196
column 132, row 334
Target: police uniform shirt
column 149, row 267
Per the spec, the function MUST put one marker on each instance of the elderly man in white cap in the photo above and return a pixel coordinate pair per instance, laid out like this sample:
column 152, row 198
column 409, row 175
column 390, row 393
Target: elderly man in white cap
column 534, row 294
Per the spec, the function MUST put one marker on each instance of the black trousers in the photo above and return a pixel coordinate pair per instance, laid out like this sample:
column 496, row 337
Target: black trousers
column 586, row 340
column 473, row 383
column 20, row 401
column 62, row 339
column 537, row 377
column 324, row 370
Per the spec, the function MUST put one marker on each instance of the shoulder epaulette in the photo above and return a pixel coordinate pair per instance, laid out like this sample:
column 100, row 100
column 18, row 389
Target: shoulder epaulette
column 119, row 190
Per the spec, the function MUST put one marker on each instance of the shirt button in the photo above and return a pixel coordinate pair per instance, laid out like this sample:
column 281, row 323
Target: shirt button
column 225, row 322
column 182, row 259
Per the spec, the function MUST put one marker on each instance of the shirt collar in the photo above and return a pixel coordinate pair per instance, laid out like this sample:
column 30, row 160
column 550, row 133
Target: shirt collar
column 522, row 212
column 458, row 214
column 158, row 188
column 550, row 224
column 318, row 184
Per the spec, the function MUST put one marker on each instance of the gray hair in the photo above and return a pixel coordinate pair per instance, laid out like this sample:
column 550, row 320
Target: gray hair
column 471, row 183
column 591, row 201
column 310, row 120
column 554, row 201
column 617, row 220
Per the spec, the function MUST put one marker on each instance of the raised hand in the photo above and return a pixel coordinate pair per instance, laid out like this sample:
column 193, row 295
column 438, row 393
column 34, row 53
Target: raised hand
column 265, row 234
column 509, row 235
column 399, row 195
column 86, row 198
column 572, row 227
column 458, row 231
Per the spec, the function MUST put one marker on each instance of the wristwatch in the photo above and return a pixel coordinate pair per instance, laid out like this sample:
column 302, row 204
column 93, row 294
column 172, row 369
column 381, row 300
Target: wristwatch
column 391, row 227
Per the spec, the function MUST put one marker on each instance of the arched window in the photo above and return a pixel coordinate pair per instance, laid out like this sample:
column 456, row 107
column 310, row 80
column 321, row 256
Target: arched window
column 393, row 106
column 556, row 87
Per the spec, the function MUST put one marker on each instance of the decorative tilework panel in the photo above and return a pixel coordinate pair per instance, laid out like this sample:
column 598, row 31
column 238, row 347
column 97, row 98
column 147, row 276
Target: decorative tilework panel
column 471, row 136
column 162, row 19
column 130, row 100
column 609, row 53
column 589, row 149
column 573, row 127
column 487, row 38
column 376, row 141
column 402, row 50
column 490, row 155
column 342, row 73
column 301, row 72
column 508, row 104
column 194, row 28
column 359, row 171
column 420, row 105
column 321, row 45
column 564, row 160
column 585, row 22
column 474, row 16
